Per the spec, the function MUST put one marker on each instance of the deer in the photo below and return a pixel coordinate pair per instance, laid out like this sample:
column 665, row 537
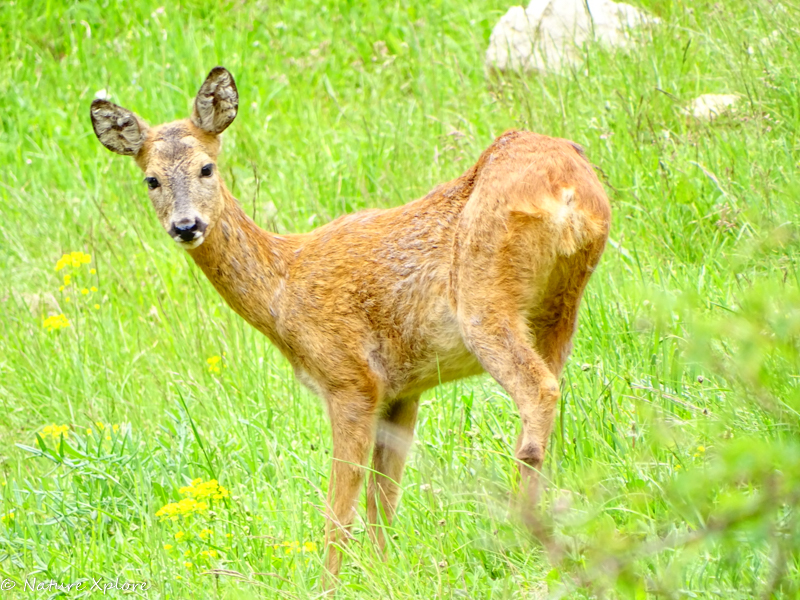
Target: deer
column 483, row 274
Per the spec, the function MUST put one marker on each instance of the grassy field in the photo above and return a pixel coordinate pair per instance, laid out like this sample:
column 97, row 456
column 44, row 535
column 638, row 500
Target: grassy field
column 674, row 467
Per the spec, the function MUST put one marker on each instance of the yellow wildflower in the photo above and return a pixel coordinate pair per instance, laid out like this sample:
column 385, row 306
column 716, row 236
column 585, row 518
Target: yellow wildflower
column 64, row 261
column 200, row 489
column 79, row 258
column 190, row 504
column 167, row 547
column 108, row 438
column 55, row 431
column 100, row 425
column 66, row 299
column 187, row 553
column 678, row 467
column 187, row 564
column 55, row 322
column 94, row 289
column 9, row 516
column 115, row 428
column 92, row 271
column 97, row 307
column 309, row 547
column 67, row 279
column 701, row 449
column 73, row 259
column 205, row 533
column 180, row 535
column 61, row 289
column 213, row 367
column 175, row 510
column 84, row 291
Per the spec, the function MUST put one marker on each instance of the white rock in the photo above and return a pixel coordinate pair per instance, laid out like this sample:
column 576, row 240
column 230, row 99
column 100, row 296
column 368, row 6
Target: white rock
column 710, row 106
column 548, row 35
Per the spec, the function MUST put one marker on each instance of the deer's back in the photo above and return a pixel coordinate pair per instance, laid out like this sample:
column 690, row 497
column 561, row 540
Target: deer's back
column 373, row 294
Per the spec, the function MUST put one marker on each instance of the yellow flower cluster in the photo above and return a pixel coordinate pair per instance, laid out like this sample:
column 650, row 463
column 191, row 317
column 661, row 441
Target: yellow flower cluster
column 200, row 489
column 205, row 533
column 209, row 554
column 192, row 503
column 295, row 547
column 213, row 364
column 54, row 431
column 73, row 259
column 9, row 516
column 187, row 506
column 55, row 322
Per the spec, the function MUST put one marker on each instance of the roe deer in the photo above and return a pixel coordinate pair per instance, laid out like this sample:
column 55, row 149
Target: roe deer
column 485, row 273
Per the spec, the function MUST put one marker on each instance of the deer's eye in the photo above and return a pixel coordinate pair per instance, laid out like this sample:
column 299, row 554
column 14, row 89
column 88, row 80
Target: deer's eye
column 151, row 182
column 207, row 170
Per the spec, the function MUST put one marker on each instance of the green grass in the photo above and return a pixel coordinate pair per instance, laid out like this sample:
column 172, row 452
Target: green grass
column 688, row 336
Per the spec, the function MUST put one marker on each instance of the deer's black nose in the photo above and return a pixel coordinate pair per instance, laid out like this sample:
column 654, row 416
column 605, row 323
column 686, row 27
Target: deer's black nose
column 188, row 229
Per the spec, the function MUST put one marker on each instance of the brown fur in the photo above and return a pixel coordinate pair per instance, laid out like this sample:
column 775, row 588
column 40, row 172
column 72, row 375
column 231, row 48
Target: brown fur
column 484, row 273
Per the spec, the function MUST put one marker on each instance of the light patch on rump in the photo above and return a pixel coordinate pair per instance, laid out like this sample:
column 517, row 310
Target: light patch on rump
column 562, row 213
column 558, row 213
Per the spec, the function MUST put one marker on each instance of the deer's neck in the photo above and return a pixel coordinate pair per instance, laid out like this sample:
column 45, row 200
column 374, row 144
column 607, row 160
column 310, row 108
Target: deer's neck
column 246, row 264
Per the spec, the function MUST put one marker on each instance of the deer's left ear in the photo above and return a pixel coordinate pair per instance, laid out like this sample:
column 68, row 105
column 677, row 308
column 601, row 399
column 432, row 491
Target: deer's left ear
column 217, row 102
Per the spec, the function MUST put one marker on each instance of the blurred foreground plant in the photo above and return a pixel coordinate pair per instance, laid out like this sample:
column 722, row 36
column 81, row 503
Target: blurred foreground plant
column 721, row 505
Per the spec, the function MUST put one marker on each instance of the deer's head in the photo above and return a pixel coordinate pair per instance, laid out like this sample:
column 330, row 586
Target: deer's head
column 178, row 158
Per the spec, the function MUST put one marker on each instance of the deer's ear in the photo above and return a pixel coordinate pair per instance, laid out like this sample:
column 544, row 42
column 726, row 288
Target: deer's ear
column 117, row 128
column 217, row 102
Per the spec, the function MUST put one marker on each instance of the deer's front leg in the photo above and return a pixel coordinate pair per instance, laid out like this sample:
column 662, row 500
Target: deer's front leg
column 352, row 424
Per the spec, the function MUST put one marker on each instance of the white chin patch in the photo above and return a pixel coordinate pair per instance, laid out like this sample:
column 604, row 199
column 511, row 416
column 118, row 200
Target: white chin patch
column 189, row 245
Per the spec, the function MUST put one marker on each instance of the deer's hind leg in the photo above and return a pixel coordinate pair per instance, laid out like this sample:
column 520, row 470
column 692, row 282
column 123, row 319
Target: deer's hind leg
column 501, row 342
column 504, row 260
column 393, row 437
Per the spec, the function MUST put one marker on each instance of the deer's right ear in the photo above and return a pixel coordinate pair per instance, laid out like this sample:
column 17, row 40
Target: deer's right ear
column 117, row 128
column 217, row 102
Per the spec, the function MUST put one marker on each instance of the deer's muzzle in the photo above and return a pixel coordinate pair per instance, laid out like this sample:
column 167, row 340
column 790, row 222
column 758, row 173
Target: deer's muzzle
column 188, row 229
